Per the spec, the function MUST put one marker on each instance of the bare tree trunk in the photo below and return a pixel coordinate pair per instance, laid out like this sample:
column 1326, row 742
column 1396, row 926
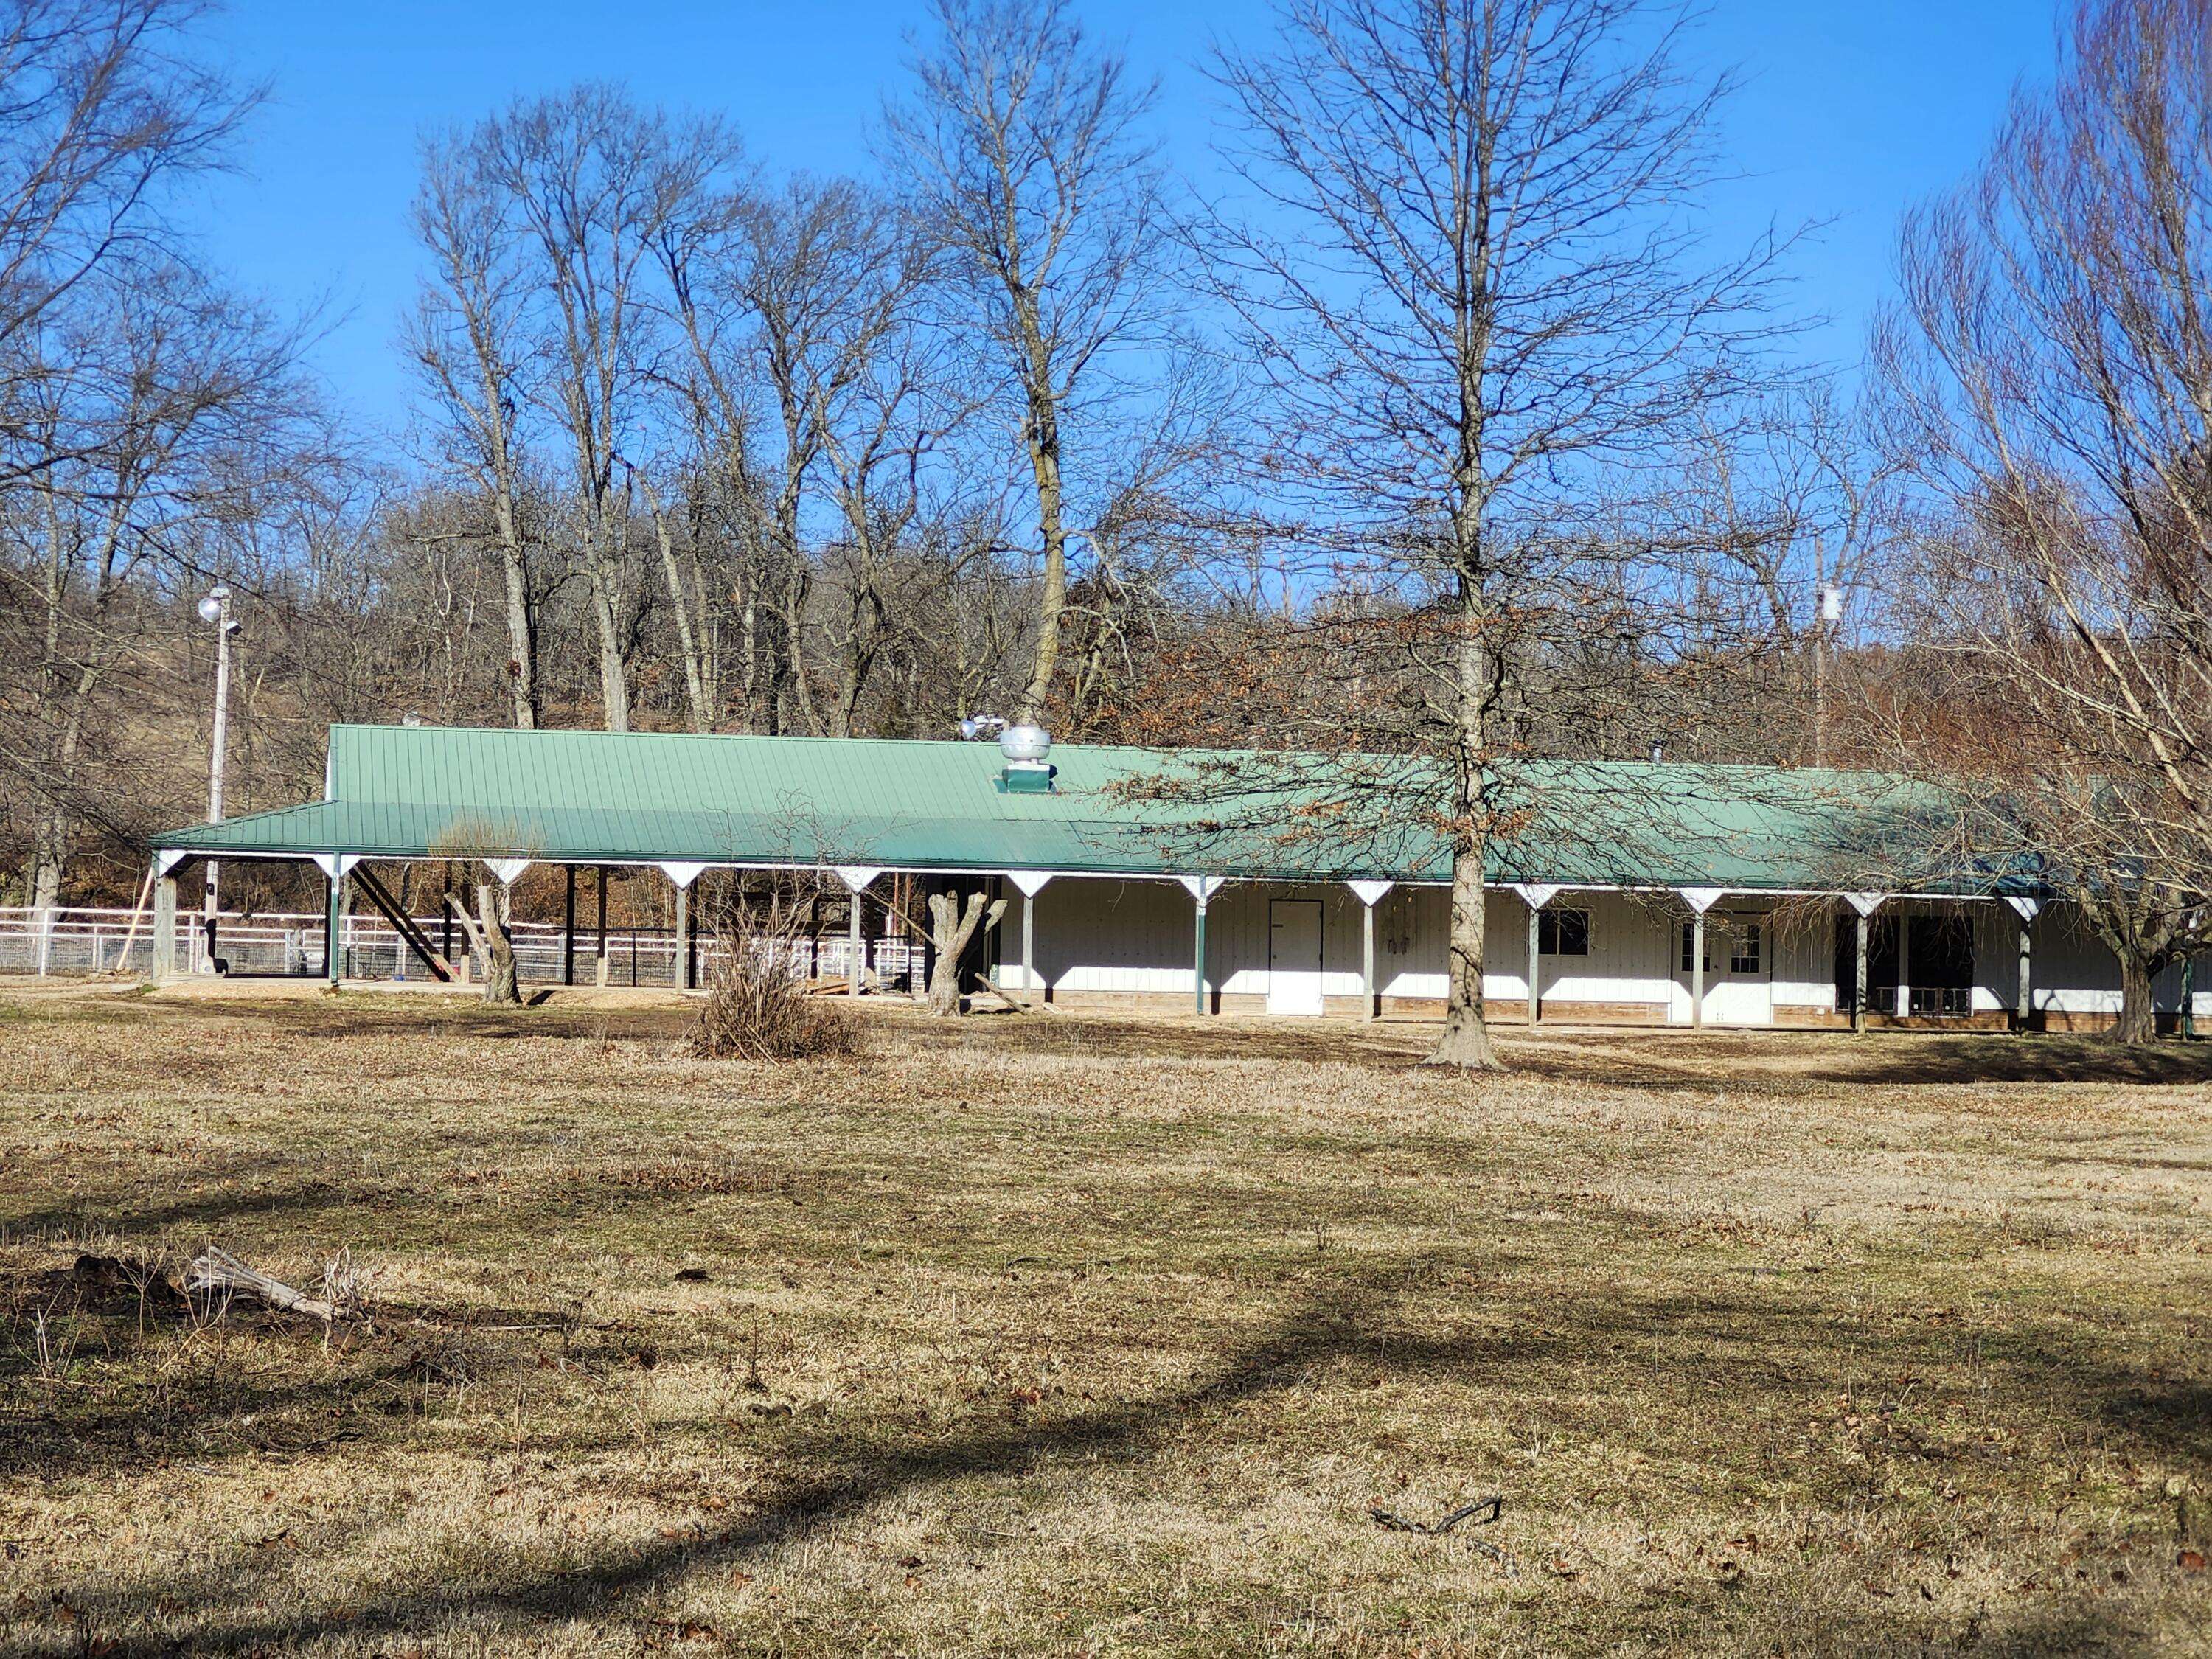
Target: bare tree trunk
column 798, row 583
column 1044, row 464
column 48, row 848
column 614, row 674
column 1024, row 154
column 490, row 936
column 2138, row 1020
column 952, row 928
column 679, row 600
column 521, row 628
column 1466, row 1038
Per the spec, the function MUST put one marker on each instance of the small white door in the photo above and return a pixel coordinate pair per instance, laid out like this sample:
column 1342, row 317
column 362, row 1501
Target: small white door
column 1294, row 957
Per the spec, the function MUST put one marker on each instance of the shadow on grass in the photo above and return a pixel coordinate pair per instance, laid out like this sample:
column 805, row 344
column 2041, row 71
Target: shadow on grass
column 1740, row 1352
column 92, row 1218
column 1655, row 1058
column 1658, row 1057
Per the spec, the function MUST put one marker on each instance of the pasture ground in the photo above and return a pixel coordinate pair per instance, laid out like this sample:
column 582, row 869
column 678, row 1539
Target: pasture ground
column 1062, row 1334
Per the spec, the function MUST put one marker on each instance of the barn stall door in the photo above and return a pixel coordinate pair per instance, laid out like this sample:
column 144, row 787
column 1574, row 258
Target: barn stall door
column 1294, row 957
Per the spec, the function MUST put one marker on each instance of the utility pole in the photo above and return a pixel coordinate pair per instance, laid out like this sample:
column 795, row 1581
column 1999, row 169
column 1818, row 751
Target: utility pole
column 214, row 610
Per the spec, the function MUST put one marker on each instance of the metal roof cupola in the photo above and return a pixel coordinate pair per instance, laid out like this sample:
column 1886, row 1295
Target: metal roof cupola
column 1027, row 771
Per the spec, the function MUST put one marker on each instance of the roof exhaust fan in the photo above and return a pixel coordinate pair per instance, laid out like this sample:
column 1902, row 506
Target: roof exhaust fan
column 1028, row 772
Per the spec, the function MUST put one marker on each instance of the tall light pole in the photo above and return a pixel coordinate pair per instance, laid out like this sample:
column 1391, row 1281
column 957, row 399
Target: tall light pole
column 1831, row 612
column 214, row 610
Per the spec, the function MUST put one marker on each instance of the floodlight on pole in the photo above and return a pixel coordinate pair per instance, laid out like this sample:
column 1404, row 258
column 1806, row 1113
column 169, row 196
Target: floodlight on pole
column 1831, row 612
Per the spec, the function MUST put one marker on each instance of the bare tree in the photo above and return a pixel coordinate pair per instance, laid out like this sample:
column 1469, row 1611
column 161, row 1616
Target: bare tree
column 108, row 106
column 167, row 414
column 2051, row 378
column 826, row 274
column 464, row 340
column 1483, row 292
column 1022, row 151
column 595, row 182
column 1786, row 499
column 710, row 378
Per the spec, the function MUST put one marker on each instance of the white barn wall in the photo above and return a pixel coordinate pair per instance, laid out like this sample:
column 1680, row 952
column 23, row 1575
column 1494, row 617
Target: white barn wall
column 2072, row 970
column 1136, row 937
column 1804, row 943
column 1630, row 954
column 1139, row 936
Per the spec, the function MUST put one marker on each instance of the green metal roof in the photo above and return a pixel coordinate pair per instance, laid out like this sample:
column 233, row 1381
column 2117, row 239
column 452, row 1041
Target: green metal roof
column 587, row 797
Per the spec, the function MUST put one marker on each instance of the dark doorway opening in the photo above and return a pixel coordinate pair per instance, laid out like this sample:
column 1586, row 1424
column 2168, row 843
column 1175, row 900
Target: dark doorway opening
column 1882, row 963
column 1940, row 968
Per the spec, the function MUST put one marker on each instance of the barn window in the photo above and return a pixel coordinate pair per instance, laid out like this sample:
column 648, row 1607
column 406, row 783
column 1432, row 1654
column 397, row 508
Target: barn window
column 1743, row 949
column 1563, row 932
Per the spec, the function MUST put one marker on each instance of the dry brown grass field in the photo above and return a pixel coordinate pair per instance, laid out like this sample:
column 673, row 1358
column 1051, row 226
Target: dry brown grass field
column 1057, row 1334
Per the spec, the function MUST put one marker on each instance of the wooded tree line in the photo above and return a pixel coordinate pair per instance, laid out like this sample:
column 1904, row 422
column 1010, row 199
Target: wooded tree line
column 1434, row 417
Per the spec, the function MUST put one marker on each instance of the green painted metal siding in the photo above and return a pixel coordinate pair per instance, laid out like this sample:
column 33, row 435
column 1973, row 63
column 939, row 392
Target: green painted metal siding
column 581, row 797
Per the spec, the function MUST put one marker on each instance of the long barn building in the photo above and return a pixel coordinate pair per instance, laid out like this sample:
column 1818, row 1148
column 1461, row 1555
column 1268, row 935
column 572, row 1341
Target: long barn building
column 1683, row 896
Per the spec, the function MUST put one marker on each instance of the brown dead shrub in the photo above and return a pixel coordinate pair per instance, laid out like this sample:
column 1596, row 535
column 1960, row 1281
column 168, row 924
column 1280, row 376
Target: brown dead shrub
column 756, row 1008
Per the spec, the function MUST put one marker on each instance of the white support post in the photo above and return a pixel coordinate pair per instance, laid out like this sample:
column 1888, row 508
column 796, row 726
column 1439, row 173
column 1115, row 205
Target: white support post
column 2024, row 994
column 1859, row 1003
column 1904, row 967
column 1700, row 899
column 45, row 922
column 684, row 970
column 1369, row 894
column 1866, row 904
column 1697, row 969
column 856, row 877
column 1197, row 959
column 1535, row 958
column 1535, row 895
column 1031, row 883
column 1201, row 890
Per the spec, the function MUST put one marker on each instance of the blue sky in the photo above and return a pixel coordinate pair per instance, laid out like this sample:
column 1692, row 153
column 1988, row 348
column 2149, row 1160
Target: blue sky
column 1851, row 110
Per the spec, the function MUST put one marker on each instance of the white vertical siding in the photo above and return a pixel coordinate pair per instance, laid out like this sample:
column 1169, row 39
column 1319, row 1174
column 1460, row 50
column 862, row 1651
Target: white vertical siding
column 1140, row 935
column 1137, row 936
column 1802, row 940
column 1630, row 957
